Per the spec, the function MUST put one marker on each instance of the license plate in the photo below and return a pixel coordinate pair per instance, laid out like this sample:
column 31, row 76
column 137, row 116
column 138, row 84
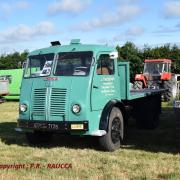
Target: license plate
column 45, row 126
column 77, row 126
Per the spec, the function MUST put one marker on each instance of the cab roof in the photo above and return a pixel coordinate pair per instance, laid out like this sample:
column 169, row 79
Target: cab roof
column 74, row 46
column 158, row 60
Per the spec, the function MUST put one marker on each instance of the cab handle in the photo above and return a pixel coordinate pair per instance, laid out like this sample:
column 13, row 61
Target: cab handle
column 96, row 87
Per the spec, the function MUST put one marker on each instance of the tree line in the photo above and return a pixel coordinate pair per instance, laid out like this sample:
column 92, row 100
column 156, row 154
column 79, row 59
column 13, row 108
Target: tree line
column 128, row 52
column 13, row 60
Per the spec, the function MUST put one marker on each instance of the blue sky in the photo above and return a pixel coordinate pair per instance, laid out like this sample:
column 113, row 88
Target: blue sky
column 26, row 24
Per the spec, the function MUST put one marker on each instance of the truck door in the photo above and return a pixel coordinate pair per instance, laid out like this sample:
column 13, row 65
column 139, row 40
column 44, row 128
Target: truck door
column 103, row 86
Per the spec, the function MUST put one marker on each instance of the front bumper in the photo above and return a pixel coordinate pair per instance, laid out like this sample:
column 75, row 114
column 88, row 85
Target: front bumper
column 57, row 126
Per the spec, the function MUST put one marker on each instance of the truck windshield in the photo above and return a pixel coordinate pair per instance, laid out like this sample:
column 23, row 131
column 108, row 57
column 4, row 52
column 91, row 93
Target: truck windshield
column 155, row 68
column 73, row 64
column 39, row 65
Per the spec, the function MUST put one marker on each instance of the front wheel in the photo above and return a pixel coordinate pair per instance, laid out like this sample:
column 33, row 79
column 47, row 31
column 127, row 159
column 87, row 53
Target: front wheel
column 113, row 139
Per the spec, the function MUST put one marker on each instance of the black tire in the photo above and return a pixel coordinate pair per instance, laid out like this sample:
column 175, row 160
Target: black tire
column 114, row 137
column 39, row 137
column 169, row 94
column 138, row 85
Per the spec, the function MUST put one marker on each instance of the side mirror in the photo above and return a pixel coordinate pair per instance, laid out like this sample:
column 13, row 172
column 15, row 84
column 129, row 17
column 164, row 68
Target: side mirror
column 113, row 55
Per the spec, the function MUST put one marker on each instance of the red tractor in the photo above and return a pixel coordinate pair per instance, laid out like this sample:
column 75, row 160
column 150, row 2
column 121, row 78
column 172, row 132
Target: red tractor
column 157, row 75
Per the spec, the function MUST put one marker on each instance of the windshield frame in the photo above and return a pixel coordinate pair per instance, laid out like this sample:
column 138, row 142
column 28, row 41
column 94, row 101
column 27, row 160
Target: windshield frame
column 148, row 64
column 27, row 65
column 56, row 61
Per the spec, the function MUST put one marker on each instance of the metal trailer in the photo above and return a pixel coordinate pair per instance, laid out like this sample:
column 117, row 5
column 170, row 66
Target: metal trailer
column 82, row 89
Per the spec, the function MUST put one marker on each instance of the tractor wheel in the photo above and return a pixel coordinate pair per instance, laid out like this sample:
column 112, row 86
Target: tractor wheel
column 171, row 90
column 38, row 137
column 137, row 85
column 113, row 139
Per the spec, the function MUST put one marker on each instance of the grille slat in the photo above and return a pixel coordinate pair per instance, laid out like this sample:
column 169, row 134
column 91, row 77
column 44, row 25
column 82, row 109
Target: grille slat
column 58, row 102
column 39, row 102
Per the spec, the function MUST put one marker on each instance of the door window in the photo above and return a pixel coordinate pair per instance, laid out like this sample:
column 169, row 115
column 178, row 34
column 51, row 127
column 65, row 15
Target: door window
column 105, row 65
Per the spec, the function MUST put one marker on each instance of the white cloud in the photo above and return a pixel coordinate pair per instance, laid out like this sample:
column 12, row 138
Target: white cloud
column 172, row 9
column 129, row 35
column 120, row 39
column 23, row 32
column 135, row 31
column 123, row 14
column 72, row 6
column 10, row 7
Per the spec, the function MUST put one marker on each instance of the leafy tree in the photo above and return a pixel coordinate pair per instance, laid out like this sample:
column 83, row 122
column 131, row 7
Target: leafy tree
column 175, row 56
column 12, row 61
column 129, row 52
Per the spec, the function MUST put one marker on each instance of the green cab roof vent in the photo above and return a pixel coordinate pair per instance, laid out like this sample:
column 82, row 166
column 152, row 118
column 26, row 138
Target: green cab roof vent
column 75, row 41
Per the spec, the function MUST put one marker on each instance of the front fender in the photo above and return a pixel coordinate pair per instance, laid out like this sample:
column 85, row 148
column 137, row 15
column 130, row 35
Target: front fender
column 104, row 121
column 141, row 77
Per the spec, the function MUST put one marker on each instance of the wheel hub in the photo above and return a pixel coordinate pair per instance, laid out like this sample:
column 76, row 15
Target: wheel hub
column 115, row 130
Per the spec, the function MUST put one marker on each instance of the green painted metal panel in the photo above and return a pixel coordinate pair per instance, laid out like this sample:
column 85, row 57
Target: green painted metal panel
column 15, row 78
column 123, row 68
column 104, row 87
column 125, row 92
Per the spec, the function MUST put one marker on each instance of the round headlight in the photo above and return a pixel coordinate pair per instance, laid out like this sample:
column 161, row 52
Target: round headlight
column 76, row 108
column 23, row 107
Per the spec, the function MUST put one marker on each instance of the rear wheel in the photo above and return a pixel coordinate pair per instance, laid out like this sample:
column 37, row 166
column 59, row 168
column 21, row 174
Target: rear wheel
column 138, row 85
column 171, row 90
column 38, row 137
column 113, row 139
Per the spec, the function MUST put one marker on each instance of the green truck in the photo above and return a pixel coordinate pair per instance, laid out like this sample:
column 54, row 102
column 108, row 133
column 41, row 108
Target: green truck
column 82, row 89
column 14, row 77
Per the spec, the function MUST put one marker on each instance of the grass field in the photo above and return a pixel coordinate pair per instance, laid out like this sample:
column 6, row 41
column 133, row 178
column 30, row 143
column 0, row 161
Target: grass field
column 146, row 154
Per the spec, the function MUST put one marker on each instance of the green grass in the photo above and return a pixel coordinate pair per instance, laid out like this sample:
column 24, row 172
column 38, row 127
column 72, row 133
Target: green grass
column 145, row 155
